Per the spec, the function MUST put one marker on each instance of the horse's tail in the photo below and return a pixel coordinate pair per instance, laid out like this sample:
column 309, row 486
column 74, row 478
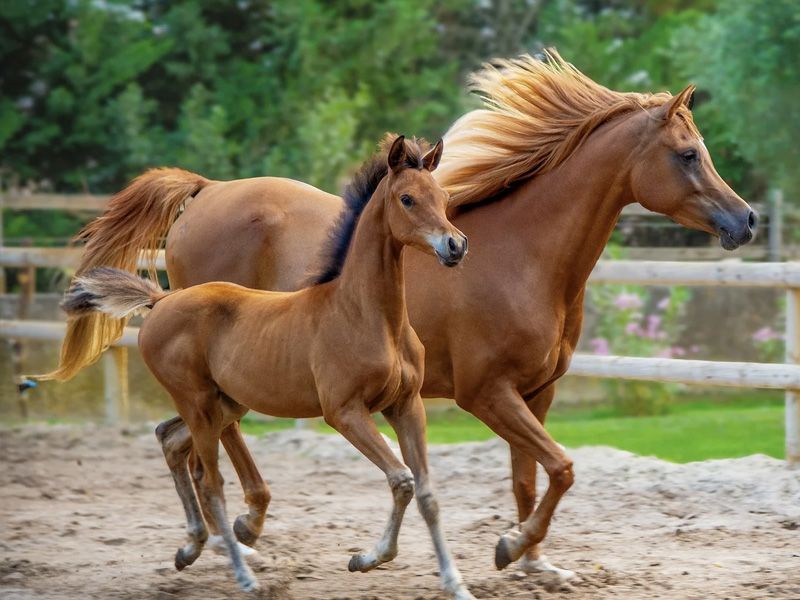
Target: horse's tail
column 134, row 222
column 112, row 292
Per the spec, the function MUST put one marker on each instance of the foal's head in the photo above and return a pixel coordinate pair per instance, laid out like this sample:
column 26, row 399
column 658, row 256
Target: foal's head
column 415, row 204
column 673, row 175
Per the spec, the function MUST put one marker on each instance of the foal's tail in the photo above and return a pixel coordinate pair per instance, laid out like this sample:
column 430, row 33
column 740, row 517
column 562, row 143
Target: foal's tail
column 110, row 291
column 134, row 222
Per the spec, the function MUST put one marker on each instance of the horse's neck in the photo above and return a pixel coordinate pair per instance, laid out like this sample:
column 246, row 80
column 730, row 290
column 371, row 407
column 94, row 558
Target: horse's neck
column 371, row 284
column 565, row 217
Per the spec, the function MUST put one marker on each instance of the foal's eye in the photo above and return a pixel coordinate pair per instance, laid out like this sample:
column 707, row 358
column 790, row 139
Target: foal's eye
column 407, row 200
column 689, row 156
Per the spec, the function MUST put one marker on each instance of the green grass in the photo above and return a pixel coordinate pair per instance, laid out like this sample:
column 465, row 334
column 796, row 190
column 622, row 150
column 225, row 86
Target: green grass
column 697, row 427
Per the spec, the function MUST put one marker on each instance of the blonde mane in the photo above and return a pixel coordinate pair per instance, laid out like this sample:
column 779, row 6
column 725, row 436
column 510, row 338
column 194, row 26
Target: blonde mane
column 537, row 113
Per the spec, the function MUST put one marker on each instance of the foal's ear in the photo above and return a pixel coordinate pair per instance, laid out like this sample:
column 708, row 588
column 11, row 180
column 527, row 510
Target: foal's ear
column 397, row 154
column 685, row 98
column 431, row 160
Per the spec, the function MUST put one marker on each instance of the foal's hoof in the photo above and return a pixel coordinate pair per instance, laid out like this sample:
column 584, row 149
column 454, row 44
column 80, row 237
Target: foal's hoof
column 183, row 559
column 243, row 533
column 502, row 553
column 249, row 584
column 364, row 563
column 355, row 563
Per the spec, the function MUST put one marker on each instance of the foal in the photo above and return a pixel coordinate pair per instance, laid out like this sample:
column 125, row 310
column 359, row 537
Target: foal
column 341, row 349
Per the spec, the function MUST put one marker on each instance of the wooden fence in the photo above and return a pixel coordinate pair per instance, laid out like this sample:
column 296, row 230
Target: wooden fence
column 784, row 276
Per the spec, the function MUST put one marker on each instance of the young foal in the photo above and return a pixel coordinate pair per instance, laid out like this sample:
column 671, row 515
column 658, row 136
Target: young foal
column 342, row 349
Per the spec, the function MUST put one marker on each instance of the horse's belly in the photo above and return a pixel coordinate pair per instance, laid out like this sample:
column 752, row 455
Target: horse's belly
column 275, row 395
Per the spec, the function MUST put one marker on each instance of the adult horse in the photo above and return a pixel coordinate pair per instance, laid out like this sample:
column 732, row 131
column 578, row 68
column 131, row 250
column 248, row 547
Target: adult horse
column 537, row 179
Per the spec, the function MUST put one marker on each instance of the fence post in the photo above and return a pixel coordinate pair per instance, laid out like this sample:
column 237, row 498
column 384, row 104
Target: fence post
column 115, row 385
column 775, row 241
column 793, row 357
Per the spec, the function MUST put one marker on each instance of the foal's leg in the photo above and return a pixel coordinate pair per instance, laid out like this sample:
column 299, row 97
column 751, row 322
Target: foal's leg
column 354, row 422
column 409, row 423
column 523, row 476
column 505, row 412
column 176, row 442
column 207, row 413
column 246, row 527
column 256, row 493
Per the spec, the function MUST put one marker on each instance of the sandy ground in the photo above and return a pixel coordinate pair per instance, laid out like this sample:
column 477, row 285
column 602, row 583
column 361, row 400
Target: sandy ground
column 92, row 513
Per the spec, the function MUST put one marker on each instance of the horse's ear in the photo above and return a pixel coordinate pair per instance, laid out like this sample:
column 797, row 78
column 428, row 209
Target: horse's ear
column 685, row 98
column 397, row 154
column 431, row 159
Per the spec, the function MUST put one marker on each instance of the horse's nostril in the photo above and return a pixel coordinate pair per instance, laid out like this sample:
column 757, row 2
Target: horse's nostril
column 451, row 243
column 752, row 220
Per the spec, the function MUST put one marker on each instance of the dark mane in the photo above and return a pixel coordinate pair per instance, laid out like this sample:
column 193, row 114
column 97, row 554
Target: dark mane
column 356, row 196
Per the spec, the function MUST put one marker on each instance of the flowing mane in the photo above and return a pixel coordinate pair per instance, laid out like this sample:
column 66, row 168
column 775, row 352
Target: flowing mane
column 537, row 113
column 357, row 195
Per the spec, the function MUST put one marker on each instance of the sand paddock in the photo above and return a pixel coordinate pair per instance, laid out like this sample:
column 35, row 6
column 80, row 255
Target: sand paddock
column 92, row 512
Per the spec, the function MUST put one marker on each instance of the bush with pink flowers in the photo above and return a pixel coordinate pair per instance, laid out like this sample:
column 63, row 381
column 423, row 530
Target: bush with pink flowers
column 637, row 321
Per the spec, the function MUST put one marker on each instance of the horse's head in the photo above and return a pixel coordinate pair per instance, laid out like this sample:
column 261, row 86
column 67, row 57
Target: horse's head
column 416, row 205
column 674, row 175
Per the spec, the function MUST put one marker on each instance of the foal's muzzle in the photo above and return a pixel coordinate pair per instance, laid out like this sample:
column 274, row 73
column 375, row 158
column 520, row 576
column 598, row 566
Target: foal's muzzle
column 450, row 249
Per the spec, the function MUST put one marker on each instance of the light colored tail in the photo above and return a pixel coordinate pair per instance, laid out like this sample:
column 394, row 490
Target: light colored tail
column 112, row 292
column 134, row 222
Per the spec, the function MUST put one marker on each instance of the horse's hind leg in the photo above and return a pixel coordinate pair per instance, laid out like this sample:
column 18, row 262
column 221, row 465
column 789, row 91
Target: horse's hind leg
column 247, row 527
column 356, row 425
column 176, row 442
column 408, row 421
column 206, row 414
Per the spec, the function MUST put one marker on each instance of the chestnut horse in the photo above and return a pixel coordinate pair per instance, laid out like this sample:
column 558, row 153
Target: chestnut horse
column 537, row 179
column 341, row 349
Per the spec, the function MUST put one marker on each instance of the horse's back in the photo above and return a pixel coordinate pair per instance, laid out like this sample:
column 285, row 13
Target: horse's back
column 263, row 232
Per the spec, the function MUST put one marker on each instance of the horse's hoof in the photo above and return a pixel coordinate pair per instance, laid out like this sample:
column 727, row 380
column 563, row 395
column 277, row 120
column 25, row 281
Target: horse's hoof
column 181, row 562
column 243, row 532
column 249, row 584
column 502, row 554
column 542, row 565
column 354, row 563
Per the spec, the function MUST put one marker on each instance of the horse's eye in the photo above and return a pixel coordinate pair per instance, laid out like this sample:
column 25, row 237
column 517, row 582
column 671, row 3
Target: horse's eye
column 407, row 200
column 689, row 156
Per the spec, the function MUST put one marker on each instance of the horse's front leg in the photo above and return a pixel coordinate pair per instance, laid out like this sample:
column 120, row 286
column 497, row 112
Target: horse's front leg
column 408, row 420
column 523, row 476
column 502, row 408
column 354, row 422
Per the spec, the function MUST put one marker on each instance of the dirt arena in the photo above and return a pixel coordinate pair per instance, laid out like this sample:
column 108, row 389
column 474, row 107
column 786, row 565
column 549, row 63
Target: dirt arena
column 90, row 512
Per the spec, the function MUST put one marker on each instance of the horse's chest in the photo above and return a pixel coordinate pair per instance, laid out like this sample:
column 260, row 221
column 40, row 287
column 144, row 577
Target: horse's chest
column 553, row 350
column 399, row 376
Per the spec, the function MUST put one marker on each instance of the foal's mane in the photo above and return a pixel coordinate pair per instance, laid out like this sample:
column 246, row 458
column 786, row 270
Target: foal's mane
column 537, row 113
column 357, row 195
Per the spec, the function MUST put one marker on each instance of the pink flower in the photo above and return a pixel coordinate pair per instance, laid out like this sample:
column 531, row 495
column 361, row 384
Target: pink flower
column 663, row 304
column 653, row 323
column 677, row 351
column 633, row 328
column 665, row 353
column 765, row 334
column 626, row 301
column 600, row 346
column 694, row 349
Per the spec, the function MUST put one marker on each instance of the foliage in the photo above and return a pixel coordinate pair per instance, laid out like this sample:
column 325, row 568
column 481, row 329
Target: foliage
column 750, row 69
column 94, row 91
